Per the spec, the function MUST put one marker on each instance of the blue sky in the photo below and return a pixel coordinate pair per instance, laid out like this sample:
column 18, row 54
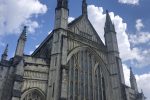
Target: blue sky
column 131, row 17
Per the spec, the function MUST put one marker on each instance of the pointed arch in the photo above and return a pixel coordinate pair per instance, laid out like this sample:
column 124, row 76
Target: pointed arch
column 33, row 94
column 92, row 51
column 85, row 72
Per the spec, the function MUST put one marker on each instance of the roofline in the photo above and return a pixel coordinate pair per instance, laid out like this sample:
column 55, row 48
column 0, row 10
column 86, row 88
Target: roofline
column 78, row 18
column 47, row 38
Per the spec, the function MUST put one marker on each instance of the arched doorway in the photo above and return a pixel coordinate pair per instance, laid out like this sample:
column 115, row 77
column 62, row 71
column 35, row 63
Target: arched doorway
column 33, row 94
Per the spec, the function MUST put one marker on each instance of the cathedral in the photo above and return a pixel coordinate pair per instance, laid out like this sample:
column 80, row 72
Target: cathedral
column 72, row 63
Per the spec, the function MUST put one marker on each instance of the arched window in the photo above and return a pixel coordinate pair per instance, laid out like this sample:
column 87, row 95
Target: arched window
column 33, row 94
column 85, row 75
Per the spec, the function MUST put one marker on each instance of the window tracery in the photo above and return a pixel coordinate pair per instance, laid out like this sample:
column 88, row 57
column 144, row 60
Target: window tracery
column 33, row 95
column 85, row 77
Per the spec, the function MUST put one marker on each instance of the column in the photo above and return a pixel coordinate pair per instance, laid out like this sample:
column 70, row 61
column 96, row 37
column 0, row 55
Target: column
column 79, row 76
column 76, row 77
column 71, row 66
column 82, row 77
column 96, row 86
column 100, row 83
column 64, row 84
column 93, row 79
column 90, row 79
column 86, row 75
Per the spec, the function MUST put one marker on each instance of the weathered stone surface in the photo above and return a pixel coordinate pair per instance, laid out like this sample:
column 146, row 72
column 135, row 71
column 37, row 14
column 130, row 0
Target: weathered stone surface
column 72, row 63
column 16, row 93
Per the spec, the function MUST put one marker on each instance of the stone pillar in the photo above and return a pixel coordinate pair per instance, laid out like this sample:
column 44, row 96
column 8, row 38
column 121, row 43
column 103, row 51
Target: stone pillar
column 79, row 76
column 64, row 84
column 93, row 77
column 86, row 75
column 18, row 79
column 114, row 64
column 71, row 71
column 76, row 76
column 90, row 78
column 98, row 81
column 57, row 54
column 82, row 76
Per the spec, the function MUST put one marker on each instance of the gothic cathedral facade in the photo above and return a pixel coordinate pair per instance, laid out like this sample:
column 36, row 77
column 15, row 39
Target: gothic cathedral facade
column 72, row 63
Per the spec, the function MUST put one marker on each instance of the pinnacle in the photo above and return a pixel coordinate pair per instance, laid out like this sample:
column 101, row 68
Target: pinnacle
column 6, row 50
column 23, row 34
column 84, row 7
column 109, row 26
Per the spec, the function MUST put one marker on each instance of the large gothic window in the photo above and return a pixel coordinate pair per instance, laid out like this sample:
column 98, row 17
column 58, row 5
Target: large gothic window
column 33, row 95
column 85, row 78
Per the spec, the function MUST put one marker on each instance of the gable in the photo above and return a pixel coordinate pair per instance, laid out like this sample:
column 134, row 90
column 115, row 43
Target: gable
column 83, row 27
column 45, row 46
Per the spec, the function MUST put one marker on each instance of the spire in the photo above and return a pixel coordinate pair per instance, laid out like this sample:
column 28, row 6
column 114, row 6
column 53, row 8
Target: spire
column 6, row 50
column 23, row 34
column 109, row 26
column 4, row 55
column 133, row 81
column 62, row 4
column 21, row 42
column 131, row 73
column 84, row 7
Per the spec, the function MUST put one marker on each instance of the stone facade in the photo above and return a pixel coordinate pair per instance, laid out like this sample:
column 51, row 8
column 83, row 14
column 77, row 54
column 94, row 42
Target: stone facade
column 72, row 63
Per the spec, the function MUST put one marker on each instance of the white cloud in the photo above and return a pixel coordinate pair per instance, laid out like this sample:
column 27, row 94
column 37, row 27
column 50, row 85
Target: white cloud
column 70, row 19
column 142, row 81
column 32, row 25
column 135, row 54
column 139, row 24
column 144, row 58
column 16, row 13
column 126, row 71
column 37, row 46
column 140, row 38
column 50, row 32
column 97, row 18
column 30, row 52
column 133, row 2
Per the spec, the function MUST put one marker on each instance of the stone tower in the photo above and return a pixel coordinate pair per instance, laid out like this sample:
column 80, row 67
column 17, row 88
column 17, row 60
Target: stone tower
column 21, row 43
column 133, row 81
column 58, row 51
column 114, row 61
column 72, row 63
